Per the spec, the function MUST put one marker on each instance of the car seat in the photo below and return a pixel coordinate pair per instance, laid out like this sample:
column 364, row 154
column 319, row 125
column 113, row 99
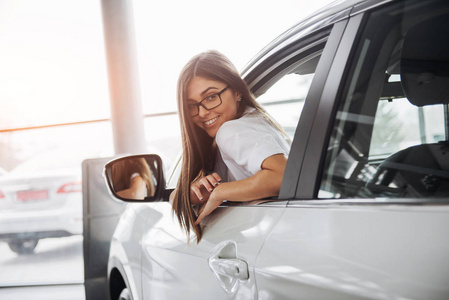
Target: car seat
column 421, row 170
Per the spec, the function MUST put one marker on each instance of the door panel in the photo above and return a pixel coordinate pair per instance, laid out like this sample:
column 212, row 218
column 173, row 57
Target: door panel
column 169, row 261
column 346, row 251
column 387, row 245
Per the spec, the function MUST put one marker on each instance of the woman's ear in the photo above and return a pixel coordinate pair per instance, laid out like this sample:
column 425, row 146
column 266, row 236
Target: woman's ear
column 238, row 96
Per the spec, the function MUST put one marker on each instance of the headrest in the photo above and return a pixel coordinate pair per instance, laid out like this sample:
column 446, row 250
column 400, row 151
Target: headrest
column 425, row 62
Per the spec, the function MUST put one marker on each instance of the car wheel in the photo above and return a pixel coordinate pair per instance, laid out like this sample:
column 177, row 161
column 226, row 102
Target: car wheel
column 23, row 246
column 125, row 295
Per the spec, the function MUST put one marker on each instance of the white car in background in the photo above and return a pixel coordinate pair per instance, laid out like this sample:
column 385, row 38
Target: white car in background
column 41, row 198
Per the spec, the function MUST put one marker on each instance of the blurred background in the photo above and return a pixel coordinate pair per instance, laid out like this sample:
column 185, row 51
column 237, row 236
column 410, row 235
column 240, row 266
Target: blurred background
column 55, row 110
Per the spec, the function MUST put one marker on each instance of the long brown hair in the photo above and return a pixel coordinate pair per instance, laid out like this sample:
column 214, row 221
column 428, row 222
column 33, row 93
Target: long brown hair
column 198, row 147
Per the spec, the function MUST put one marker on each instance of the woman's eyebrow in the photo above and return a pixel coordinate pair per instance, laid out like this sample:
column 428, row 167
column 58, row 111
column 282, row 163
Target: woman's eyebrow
column 206, row 90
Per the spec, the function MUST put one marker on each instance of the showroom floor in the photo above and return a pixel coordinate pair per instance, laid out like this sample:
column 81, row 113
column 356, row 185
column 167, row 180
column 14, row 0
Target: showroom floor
column 44, row 292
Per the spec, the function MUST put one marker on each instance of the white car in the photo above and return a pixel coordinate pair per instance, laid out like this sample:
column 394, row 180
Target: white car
column 41, row 198
column 363, row 211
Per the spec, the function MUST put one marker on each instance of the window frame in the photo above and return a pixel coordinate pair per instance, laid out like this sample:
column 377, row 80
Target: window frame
column 320, row 108
column 281, row 63
column 287, row 58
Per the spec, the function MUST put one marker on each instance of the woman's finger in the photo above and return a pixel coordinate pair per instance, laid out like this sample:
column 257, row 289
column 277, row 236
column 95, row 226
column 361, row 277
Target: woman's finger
column 213, row 180
column 205, row 211
column 207, row 208
column 201, row 215
column 200, row 211
column 207, row 185
column 216, row 177
column 196, row 190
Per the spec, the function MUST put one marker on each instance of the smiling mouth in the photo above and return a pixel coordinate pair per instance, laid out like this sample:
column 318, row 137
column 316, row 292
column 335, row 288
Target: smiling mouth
column 210, row 122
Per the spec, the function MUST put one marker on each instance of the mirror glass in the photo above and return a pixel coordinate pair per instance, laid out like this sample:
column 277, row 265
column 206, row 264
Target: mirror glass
column 134, row 177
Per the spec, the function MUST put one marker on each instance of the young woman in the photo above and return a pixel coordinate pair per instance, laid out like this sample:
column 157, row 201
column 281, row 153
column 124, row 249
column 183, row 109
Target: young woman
column 232, row 150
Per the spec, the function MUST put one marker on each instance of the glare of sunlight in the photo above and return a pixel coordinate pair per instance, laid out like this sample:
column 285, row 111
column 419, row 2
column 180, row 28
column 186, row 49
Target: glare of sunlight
column 53, row 64
column 167, row 38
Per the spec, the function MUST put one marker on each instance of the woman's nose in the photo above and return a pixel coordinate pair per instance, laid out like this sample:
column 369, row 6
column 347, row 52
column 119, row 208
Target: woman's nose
column 202, row 111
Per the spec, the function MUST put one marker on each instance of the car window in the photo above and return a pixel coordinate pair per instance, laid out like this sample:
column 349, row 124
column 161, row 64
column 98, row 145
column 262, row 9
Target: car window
column 390, row 137
column 284, row 92
column 284, row 101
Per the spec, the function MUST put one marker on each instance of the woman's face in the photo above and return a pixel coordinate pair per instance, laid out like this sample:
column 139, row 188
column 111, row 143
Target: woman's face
column 201, row 88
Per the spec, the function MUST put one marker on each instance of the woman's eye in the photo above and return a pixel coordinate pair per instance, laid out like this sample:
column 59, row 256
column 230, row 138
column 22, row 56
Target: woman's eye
column 211, row 97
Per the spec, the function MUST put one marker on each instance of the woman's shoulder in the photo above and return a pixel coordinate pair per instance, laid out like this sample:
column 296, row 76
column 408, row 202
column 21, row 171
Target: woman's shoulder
column 247, row 122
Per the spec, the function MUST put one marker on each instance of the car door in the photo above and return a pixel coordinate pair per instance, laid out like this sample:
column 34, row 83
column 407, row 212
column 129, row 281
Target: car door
column 175, row 266
column 100, row 217
column 219, row 267
column 222, row 265
column 368, row 217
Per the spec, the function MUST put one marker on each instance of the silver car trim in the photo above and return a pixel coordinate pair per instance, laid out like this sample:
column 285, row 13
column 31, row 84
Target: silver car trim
column 380, row 201
column 263, row 203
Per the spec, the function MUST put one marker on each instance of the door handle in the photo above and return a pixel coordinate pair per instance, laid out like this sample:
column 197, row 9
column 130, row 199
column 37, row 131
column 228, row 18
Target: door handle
column 235, row 268
column 227, row 268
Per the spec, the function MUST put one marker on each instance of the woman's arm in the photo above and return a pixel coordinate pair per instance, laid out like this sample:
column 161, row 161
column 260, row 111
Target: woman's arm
column 136, row 191
column 265, row 183
column 201, row 189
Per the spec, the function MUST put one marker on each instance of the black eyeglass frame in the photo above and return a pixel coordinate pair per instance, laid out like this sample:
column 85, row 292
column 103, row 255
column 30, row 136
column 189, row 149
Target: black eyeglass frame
column 201, row 102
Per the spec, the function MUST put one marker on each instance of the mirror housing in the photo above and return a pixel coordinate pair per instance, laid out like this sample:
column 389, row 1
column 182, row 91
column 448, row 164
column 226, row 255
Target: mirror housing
column 135, row 178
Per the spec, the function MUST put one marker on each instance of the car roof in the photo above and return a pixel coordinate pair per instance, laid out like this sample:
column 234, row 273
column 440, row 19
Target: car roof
column 329, row 14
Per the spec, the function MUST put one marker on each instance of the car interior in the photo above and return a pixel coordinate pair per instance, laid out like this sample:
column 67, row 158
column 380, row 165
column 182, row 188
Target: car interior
column 421, row 170
column 399, row 69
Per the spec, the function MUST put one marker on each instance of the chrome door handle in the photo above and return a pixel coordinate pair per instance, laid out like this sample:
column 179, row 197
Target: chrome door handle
column 234, row 267
column 227, row 268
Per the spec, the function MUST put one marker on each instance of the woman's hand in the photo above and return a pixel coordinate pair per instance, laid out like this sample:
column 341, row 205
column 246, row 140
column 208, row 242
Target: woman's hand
column 209, row 206
column 201, row 189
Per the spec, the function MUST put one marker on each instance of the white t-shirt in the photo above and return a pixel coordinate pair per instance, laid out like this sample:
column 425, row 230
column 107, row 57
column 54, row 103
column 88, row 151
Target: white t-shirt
column 245, row 143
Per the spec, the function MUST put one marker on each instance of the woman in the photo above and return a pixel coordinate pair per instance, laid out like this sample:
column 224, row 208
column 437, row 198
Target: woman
column 232, row 150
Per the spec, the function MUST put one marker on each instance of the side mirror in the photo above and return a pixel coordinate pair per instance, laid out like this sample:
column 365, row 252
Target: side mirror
column 135, row 178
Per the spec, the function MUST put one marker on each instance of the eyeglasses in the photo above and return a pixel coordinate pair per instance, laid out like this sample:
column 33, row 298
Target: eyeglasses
column 210, row 102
